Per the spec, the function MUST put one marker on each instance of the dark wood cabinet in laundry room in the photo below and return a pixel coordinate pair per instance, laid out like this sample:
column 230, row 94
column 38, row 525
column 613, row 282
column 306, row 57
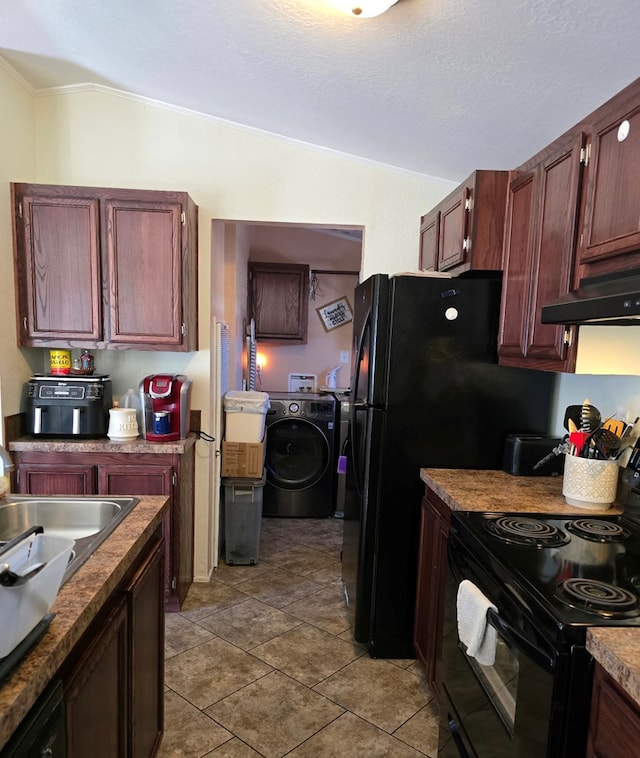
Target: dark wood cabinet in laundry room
column 279, row 301
column 432, row 562
column 105, row 268
column 464, row 231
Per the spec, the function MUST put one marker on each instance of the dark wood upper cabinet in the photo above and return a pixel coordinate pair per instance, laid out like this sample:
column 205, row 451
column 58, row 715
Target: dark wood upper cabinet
column 58, row 269
column 611, row 219
column 98, row 267
column 279, row 301
column 517, row 268
column 429, row 231
column 464, row 232
column 539, row 257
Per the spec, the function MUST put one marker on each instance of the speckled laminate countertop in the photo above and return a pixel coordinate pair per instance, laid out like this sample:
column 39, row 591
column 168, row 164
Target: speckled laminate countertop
column 76, row 605
column 102, row 445
column 496, row 491
column 616, row 650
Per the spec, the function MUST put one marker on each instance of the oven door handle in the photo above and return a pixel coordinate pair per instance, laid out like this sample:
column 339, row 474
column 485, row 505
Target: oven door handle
column 533, row 652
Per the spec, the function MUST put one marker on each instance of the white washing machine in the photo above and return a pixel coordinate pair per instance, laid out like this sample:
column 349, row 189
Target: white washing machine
column 300, row 455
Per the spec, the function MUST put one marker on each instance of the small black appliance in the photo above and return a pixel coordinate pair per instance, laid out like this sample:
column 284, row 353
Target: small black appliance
column 67, row 406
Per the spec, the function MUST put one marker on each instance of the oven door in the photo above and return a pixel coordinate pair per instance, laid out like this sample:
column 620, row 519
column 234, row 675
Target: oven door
column 504, row 710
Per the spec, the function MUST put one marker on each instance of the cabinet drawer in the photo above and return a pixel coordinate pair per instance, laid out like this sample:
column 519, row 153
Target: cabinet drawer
column 134, row 480
column 50, row 479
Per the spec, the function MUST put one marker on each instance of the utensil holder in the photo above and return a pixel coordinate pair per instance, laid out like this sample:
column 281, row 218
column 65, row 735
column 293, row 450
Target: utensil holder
column 590, row 483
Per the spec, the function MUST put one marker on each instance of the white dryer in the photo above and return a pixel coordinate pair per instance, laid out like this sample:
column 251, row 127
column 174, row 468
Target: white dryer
column 300, row 455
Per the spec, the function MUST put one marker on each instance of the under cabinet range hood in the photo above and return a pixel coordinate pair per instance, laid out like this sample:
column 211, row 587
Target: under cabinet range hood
column 608, row 299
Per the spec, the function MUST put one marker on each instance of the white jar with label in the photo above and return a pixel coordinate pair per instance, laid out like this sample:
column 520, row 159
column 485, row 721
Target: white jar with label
column 123, row 425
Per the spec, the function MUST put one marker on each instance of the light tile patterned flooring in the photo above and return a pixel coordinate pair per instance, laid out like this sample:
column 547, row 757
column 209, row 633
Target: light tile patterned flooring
column 261, row 662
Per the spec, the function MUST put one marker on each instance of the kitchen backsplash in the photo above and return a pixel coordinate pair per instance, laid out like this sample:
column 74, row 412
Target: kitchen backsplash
column 611, row 394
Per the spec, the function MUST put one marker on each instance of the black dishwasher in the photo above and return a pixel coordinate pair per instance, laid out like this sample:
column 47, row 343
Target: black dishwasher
column 42, row 733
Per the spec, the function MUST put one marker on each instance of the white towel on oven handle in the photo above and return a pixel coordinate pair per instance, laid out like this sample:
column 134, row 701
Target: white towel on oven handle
column 478, row 636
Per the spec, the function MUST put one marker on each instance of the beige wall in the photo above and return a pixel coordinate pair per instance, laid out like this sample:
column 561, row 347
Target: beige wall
column 90, row 136
column 17, row 163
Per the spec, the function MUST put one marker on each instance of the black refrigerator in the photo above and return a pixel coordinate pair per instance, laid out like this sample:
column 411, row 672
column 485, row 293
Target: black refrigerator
column 426, row 391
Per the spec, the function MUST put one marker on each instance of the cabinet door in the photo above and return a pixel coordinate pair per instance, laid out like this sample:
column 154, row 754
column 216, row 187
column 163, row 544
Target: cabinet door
column 96, row 693
column 432, row 562
column 53, row 479
column 279, row 301
column 453, row 240
column 517, row 265
column 146, row 628
column 611, row 219
column 429, row 231
column 614, row 723
column 115, row 479
column 553, row 255
column 58, row 273
column 539, row 259
column 144, row 263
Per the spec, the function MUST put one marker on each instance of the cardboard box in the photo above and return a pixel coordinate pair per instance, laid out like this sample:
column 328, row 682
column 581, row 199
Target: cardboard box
column 244, row 427
column 243, row 459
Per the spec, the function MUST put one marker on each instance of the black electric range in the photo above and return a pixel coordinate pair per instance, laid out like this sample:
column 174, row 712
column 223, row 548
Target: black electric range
column 549, row 578
column 580, row 571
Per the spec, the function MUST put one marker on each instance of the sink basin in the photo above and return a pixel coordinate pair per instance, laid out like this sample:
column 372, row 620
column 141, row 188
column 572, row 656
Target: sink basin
column 87, row 520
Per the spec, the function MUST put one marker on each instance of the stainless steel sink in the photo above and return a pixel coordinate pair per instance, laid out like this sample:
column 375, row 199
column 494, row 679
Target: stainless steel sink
column 87, row 520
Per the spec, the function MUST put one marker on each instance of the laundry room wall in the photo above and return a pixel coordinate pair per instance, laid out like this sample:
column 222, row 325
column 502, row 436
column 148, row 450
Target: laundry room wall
column 324, row 252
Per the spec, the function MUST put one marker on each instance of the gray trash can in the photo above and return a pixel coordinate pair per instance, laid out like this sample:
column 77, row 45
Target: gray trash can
column 242, row 519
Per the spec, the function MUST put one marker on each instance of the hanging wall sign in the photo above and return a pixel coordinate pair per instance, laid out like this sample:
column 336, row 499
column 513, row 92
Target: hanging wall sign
column 335, row 314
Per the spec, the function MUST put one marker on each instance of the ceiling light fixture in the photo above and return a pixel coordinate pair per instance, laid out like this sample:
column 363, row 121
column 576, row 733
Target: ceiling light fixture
column 364, row 8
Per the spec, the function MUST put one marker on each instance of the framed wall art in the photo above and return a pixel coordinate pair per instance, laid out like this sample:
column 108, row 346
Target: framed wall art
column 335, row 314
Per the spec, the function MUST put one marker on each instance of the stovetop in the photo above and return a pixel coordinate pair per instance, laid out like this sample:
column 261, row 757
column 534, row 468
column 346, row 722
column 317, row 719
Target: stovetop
column 580, row 571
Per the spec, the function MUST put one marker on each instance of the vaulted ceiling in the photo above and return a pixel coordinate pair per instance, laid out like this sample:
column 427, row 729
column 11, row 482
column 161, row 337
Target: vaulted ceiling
column 439, row 87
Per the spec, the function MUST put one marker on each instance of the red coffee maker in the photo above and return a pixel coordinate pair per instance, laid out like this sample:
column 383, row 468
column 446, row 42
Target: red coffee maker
column 166, row 407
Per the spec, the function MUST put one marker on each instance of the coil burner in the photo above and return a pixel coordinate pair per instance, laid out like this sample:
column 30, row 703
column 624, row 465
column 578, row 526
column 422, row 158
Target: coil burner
column 597, row 530
column 597, row 597
column 519, row 530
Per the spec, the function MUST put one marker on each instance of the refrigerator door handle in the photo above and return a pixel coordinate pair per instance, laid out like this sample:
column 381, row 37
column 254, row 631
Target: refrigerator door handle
column 355, row 452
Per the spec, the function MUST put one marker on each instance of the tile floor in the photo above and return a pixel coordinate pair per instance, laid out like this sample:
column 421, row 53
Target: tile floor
column 261, row 662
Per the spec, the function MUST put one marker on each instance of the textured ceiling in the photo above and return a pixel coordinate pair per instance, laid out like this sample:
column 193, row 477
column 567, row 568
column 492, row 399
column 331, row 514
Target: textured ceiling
column 439, row 87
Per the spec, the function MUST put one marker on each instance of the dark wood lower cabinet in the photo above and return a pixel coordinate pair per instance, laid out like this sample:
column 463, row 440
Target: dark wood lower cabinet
column 170, row 474
column 96, row 694
column 146, row 645
column 432, row 563
column 614, row 724
column 113, row 688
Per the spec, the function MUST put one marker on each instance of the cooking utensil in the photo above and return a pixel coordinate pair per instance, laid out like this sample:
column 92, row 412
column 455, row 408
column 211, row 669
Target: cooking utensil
column 606, row 442
column 578, row 440
column 573, row 416
column 614, row 425
column 559, row 449
column 590, row 418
